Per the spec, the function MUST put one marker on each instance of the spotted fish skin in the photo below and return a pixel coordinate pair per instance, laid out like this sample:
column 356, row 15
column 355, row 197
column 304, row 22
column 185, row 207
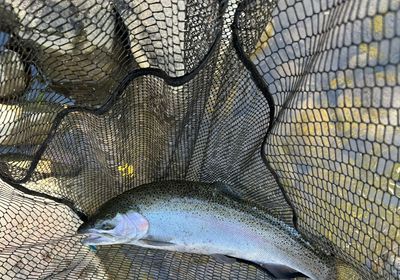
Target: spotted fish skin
column 206, row 219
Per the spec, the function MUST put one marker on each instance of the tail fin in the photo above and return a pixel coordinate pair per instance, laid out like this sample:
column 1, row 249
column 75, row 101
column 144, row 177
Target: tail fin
column 345, row 271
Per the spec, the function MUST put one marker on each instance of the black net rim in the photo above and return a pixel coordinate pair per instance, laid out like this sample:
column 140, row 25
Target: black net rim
column 169, row 80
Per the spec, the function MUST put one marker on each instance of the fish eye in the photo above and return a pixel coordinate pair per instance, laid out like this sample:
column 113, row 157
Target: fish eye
column 107, row 226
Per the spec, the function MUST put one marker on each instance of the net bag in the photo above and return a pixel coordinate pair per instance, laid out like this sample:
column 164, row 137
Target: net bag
column 293, row 103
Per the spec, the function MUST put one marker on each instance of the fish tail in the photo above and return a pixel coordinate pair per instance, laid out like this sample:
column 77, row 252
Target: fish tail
column 345, row 271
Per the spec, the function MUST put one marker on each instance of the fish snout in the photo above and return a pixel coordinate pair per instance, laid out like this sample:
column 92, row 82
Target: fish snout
column 83, row 229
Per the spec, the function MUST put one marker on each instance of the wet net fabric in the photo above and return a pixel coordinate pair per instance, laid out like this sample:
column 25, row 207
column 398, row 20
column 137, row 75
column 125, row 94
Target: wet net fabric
column 294, row 104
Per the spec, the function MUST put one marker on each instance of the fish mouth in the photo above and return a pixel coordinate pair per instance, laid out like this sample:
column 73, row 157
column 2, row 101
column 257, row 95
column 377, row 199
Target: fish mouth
column 91, row 240
column 94, row 237
column 98, row 239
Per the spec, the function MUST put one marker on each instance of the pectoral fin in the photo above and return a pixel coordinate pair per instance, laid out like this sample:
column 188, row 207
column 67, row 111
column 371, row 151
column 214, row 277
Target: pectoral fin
column 282, row 271
column 156, row 243
column 224, row 259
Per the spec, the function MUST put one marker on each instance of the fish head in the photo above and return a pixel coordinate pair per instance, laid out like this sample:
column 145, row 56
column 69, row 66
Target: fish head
column 117, row 228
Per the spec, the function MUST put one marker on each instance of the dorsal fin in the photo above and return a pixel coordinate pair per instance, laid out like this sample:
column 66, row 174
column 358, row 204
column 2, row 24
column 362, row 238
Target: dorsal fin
column 226, row 190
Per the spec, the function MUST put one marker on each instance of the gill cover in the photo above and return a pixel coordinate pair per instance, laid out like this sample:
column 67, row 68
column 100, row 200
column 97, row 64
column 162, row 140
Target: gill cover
column 120, row 229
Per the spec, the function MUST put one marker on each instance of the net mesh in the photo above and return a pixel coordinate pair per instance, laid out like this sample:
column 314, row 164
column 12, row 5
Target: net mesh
column 294, row 104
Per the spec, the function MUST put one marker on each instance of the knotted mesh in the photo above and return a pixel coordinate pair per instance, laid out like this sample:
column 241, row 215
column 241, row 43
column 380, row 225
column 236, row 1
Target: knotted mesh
column 294, row 104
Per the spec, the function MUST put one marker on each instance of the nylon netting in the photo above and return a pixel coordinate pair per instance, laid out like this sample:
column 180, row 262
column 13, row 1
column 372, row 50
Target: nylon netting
column 294, row 104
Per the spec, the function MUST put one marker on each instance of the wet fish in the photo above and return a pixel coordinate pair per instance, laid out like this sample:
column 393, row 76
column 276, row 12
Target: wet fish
column 205, row 219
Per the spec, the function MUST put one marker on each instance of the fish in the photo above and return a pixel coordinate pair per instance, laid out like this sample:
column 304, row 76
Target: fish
column 209, row 219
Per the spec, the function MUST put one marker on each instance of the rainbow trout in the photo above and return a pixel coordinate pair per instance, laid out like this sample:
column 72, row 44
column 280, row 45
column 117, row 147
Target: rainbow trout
column 205, row 219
